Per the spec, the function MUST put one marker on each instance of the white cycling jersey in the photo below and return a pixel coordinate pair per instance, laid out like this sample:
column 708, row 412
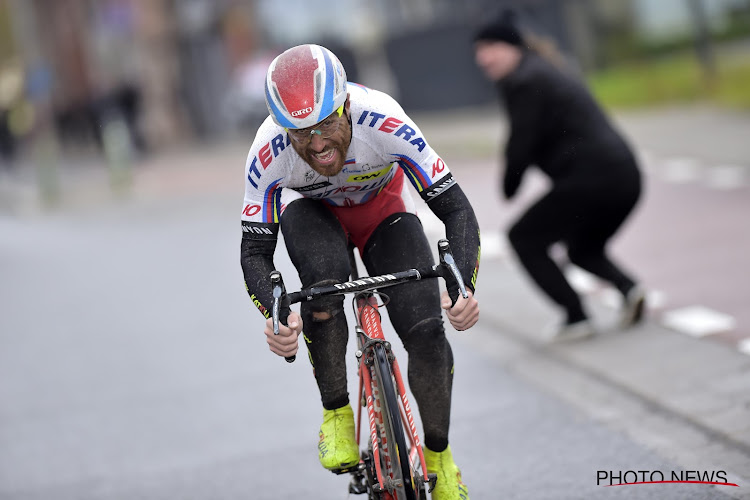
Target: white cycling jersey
column 385, row 143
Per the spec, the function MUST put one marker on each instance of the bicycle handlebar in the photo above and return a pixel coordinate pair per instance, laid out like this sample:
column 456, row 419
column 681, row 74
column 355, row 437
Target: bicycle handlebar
column 447, row 267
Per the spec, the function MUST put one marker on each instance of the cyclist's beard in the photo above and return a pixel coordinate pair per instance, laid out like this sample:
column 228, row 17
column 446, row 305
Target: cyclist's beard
column 338, row 143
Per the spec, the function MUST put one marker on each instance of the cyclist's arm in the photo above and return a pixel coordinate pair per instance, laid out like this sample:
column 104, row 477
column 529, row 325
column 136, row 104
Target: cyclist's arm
column 452, row 207
column 256, row 258
column 262, row 206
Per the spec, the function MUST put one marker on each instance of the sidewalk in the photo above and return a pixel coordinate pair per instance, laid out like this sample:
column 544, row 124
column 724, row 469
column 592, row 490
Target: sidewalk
column 648, row 381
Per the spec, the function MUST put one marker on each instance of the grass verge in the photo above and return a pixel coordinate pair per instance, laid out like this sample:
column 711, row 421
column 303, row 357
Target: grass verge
column 675, row 79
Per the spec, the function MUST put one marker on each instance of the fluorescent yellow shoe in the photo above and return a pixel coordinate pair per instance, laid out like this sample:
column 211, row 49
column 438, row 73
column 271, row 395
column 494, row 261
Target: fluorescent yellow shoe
column 337, row 448
column 449, row 485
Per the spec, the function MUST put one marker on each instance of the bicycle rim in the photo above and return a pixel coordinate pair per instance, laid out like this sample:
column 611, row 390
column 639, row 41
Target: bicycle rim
column 397, row 449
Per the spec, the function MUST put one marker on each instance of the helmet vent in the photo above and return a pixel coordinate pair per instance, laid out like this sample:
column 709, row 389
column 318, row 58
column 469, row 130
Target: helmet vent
column 317, row 87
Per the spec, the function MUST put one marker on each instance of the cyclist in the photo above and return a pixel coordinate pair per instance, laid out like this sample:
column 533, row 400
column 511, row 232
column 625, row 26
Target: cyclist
column 327, row 167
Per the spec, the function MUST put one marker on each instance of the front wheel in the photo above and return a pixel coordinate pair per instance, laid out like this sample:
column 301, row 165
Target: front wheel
column 397, row 451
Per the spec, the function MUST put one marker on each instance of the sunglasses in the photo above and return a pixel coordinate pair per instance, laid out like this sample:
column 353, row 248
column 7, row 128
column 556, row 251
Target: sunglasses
column 325, row 129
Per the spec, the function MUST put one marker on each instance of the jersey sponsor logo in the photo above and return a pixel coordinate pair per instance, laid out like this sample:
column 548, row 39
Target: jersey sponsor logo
column 265, row 156
column 436, row 189
column 393, row 126
column 361, row 168
column 312, row 187
column 260, row 306
column 377, row 184
column 368, row 176
column 258, row 230
column 437, row 167
column 250, row 210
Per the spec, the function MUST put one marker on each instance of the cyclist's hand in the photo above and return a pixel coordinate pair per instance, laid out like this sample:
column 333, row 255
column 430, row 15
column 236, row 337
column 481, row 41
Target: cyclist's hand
column 285, row 343
column 464, row 313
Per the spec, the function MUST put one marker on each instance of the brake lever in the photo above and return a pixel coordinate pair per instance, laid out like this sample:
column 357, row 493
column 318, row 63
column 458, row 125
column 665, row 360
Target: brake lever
column 278, row 290
column 446, row 258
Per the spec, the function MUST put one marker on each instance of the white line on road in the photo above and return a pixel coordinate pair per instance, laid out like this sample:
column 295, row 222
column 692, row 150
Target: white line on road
column 698, row 321
column 680, row 170
column 744, row 346
column 726, row 176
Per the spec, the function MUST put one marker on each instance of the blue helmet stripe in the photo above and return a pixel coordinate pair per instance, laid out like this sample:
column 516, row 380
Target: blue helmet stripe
column 277, row 113
column 326, row 104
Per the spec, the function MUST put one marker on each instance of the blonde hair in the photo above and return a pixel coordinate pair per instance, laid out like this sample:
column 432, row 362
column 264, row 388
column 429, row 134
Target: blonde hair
column 546, row 48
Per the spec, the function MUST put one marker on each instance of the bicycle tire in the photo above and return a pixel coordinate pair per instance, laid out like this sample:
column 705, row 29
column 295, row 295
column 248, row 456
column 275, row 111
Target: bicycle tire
column 393, row 424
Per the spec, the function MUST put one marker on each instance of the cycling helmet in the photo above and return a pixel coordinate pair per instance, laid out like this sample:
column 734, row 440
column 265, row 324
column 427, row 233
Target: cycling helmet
column 304, row 85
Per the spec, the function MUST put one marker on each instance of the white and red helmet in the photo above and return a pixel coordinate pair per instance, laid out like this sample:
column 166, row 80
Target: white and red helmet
column 304, row 85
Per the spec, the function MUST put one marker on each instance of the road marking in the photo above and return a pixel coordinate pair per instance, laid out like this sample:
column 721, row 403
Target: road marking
column 698, row 321
column 744, row 346
column 580, row 280
column 494, row 245
column 680, row 170
column 726, row 176
column 684, row 170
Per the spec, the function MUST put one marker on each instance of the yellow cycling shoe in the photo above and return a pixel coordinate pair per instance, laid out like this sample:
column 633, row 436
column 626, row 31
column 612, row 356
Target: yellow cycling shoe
column 337, row 448
column 449, row 485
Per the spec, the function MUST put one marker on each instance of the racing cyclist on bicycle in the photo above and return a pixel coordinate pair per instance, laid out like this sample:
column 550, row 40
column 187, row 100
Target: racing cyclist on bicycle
column 328, row 168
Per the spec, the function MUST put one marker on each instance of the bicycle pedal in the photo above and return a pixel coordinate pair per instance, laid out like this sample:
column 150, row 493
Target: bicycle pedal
column 357, row 486
column 347, row 470
column 431, row 481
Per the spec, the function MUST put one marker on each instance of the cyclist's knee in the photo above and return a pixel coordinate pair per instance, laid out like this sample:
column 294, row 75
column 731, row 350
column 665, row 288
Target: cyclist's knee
column 424, row 334
column 324, row 309
column 321, row 315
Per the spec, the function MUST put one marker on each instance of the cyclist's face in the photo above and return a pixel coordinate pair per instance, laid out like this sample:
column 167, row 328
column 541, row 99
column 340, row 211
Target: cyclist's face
column 325, row 148
column 497, row 59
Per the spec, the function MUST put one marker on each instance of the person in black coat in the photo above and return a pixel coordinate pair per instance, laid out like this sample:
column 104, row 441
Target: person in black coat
column 557, row 126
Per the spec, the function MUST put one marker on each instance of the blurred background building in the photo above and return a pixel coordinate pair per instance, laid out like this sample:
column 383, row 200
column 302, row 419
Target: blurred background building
column 177, row 70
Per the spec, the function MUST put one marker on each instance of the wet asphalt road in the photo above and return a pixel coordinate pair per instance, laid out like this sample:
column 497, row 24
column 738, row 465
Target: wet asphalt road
column 132, row 365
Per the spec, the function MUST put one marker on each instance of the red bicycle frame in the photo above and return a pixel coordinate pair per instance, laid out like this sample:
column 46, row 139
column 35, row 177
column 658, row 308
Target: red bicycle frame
column 368, row 319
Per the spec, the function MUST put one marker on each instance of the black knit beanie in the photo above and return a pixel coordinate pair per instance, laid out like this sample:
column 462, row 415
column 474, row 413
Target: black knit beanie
column 503, row 29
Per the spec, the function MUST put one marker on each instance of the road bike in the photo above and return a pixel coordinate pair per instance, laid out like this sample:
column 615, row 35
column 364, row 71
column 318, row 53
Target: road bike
column 392, row 465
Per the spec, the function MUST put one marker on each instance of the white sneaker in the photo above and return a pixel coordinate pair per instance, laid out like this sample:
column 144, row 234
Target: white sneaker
column 573, row 331
column 634, row 307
